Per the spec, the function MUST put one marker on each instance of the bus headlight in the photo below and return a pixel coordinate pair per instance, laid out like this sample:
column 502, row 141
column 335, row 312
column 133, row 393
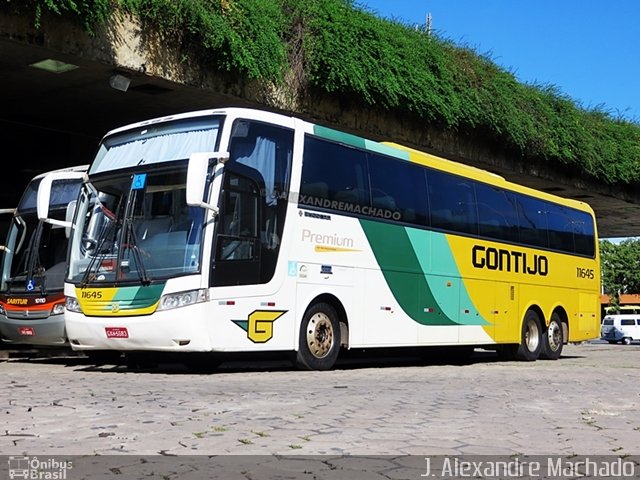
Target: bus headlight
column 182, row 299
column 72, row 305
column 58, row 308
column 2, row 312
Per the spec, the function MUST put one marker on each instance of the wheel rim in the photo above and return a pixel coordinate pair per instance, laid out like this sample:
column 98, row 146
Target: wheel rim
column 319, row 335
column 532, row 335
column 554, row 336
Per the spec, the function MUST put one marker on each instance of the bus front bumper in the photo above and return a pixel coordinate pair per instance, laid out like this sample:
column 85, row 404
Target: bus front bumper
column 178, row 330
column 48, row 331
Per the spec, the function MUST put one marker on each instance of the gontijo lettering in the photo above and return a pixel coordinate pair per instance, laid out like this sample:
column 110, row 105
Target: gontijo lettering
column 509, row 260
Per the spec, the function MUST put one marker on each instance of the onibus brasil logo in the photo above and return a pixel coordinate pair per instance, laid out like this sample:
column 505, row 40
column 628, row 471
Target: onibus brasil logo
column 38, row 469
column 259, row 324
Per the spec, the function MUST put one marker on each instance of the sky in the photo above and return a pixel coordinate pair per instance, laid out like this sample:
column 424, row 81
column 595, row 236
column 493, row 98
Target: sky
column 588, row 49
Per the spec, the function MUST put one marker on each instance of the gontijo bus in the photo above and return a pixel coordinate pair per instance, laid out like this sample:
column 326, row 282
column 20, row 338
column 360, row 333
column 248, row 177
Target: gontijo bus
column 239, row 230
column 34, row 262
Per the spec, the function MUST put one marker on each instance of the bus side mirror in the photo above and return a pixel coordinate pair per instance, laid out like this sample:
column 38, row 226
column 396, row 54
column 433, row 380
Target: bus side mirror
column 44, row 195
column 68, row 217
column 197, row 172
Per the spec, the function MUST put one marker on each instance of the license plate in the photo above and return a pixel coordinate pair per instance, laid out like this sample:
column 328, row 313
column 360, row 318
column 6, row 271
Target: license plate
column 26, row 331
column 116, row 332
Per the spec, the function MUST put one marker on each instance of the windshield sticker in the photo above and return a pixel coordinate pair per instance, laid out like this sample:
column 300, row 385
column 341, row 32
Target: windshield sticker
column 139, row 181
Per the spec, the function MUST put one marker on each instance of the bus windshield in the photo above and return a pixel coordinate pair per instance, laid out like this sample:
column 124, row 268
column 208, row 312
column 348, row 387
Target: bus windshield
column 136, row 234
column 133, row 223
column 34, row 257
column 156, row 144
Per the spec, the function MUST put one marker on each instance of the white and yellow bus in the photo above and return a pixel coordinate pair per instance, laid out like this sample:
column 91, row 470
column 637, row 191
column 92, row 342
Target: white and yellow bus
column 240, row 230
column 34, row 262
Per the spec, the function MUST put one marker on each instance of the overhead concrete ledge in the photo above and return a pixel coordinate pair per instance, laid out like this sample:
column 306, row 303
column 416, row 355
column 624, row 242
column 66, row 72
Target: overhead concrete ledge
column 164, row 80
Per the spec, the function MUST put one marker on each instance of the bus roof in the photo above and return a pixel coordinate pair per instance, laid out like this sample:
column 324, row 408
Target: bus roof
column 77, row 168
column 388, row 148
column 485, row 176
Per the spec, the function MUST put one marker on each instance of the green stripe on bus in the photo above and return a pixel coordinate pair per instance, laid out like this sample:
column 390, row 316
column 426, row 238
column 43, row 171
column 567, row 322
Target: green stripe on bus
column 386, row 150
column 359, row 142
column 139, row 296
column 425, row 242
column 340, row 137
column 403, row 273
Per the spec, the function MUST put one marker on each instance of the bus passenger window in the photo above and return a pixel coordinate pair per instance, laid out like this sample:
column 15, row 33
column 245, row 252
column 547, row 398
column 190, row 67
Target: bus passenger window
column 342, row 169
column 452, row 202
column 399, row 188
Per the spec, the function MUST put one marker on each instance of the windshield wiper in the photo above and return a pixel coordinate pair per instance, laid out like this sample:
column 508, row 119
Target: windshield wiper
column 101, row 253
column 35, row 268
column 30, row 259
column 137, row 256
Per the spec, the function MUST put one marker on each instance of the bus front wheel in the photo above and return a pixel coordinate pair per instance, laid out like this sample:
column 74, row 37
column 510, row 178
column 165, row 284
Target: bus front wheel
column 553, row 339
column 319, row 342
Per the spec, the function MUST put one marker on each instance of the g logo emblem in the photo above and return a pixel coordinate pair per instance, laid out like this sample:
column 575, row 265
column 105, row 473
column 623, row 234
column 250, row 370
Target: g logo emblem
column 259, row 325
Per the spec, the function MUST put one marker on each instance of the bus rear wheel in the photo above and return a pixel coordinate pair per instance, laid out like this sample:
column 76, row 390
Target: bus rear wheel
column 553, row 339
column 319, row 342
column 531, row 340
column 530, row 344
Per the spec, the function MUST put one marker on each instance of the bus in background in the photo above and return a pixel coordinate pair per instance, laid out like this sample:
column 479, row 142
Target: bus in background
column 6, row 215
column 239, row 230
column 34, row 263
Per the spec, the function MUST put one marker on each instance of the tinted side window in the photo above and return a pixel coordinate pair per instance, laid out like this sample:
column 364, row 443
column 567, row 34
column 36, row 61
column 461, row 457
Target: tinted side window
column 398, row 187
column 497, row 214
column 532, row 219
column 334, row 176
column 584, row 236
column 452, row 203
column 560, row 228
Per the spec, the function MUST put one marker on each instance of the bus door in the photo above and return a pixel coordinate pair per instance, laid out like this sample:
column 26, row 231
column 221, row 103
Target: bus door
column 253, row 205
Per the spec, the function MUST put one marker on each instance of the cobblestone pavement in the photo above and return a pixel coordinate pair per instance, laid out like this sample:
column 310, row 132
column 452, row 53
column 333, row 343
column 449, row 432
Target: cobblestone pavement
column 586, row 403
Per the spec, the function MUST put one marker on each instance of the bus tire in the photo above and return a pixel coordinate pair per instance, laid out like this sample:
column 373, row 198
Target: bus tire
column 552, row 339
column 319, row 343
column 531, row 339
column 626, row 340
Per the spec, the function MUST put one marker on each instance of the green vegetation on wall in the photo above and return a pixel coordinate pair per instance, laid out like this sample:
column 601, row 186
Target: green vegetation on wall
column 337, row 47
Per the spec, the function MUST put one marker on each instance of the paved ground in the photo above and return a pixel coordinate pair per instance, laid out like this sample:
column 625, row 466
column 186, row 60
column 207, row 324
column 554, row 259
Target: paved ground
column 586, row 403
